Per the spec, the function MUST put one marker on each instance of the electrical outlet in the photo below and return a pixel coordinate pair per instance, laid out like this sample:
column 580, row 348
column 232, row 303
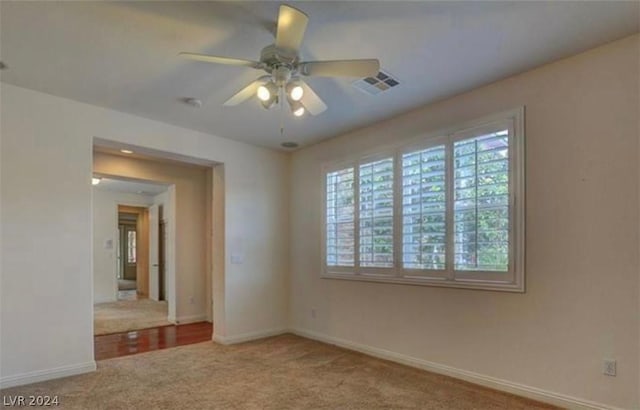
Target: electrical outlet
column 609, row 368
column 313, row 313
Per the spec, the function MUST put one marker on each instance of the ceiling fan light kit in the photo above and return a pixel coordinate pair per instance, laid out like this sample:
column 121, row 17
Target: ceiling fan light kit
column 297, row 108
column 270, row 102
column 281, row 61
column 267, row 91
column 295, row 90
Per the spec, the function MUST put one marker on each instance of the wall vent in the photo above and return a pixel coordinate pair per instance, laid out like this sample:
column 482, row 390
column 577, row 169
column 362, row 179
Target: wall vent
column 381, row 82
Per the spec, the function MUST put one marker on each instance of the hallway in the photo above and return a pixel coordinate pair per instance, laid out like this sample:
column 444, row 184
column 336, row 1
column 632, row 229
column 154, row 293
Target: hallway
column 127, row 315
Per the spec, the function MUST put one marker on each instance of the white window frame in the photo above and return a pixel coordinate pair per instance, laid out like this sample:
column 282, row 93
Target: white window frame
column 512, row 281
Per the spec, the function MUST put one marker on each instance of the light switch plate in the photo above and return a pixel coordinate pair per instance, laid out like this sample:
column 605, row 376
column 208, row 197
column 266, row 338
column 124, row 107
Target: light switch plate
column 609, row 367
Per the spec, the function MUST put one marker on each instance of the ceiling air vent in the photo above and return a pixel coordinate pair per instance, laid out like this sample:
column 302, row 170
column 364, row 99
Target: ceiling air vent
column 381, row 82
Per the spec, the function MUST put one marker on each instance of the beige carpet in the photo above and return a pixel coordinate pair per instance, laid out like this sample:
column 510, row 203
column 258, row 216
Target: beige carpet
column 283, row 372
column 126, row 315
column 125, row 284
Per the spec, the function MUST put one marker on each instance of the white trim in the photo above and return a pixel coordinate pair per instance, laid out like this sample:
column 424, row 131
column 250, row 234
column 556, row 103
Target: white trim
column 519, row 201
column 183, row 320
column 48, row 374
column 518, row 389
column 428, row 281
column 170, row 257
column 356, row 219
column 246, row 337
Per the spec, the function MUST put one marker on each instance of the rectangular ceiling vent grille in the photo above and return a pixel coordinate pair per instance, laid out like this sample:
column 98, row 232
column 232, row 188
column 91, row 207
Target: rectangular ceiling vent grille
column 381, row 82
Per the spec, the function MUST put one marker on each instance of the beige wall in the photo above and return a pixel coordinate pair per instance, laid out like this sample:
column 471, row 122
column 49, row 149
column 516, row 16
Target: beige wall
column 45, row 202
column 582, row 271
column 191, row 212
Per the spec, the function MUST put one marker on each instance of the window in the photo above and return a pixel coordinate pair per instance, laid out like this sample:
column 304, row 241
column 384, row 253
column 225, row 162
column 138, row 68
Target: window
column 424, row 203
column 340, row 218
column 376, row 213
column 481, row 202
column 131, row 247
column 445, row 210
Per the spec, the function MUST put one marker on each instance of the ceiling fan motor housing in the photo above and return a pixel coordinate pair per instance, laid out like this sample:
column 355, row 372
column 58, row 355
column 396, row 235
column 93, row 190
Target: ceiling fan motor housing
column 281, row 75
column 274, row 57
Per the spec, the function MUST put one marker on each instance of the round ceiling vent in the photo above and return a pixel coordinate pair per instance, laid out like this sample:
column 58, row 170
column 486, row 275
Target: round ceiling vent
column 194, row 102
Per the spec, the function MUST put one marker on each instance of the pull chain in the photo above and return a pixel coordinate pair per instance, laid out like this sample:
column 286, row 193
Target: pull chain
column 281, row 97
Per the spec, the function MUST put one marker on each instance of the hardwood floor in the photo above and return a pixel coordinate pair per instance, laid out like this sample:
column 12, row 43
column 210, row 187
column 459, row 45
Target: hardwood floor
column 139, row 341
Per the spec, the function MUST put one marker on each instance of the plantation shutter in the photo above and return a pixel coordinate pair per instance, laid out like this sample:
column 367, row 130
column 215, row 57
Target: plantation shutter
column 340, row 218
column 481, row 202
column 376, row 213
column 424, row 209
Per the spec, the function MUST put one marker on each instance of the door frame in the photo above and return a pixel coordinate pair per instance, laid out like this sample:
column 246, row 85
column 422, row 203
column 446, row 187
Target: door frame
column 162, row 258
column 142, row 245
column 154, row 252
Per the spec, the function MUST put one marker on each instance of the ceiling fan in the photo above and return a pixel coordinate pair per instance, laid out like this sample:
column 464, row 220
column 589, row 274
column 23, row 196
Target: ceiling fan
column 284, row 69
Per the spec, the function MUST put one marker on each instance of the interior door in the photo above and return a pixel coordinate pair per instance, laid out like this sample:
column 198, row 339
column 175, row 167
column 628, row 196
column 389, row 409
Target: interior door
column 154, row 244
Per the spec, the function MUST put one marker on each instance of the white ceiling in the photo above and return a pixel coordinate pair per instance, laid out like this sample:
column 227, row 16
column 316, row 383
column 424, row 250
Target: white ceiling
column 130, row 187
column 123, row 55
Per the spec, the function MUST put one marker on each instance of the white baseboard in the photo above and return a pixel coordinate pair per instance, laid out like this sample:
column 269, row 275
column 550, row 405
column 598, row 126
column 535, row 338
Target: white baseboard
column 183, row 320
column 246, row 337
column 534, row 393
column 42, row 375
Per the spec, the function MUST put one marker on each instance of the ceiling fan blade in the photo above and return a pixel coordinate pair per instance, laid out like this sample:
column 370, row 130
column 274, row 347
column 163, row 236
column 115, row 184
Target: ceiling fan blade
column 340, row 68
column 222, row 60
column 292, row 23
column 311, row 101
column 247, row 92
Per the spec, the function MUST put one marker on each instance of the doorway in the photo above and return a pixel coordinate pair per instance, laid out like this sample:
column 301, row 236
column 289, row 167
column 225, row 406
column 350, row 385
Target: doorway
column 132, row 258
column 180, row 261
column 125, row 214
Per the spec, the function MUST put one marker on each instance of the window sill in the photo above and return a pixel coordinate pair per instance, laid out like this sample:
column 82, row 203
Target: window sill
column 437, row 282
